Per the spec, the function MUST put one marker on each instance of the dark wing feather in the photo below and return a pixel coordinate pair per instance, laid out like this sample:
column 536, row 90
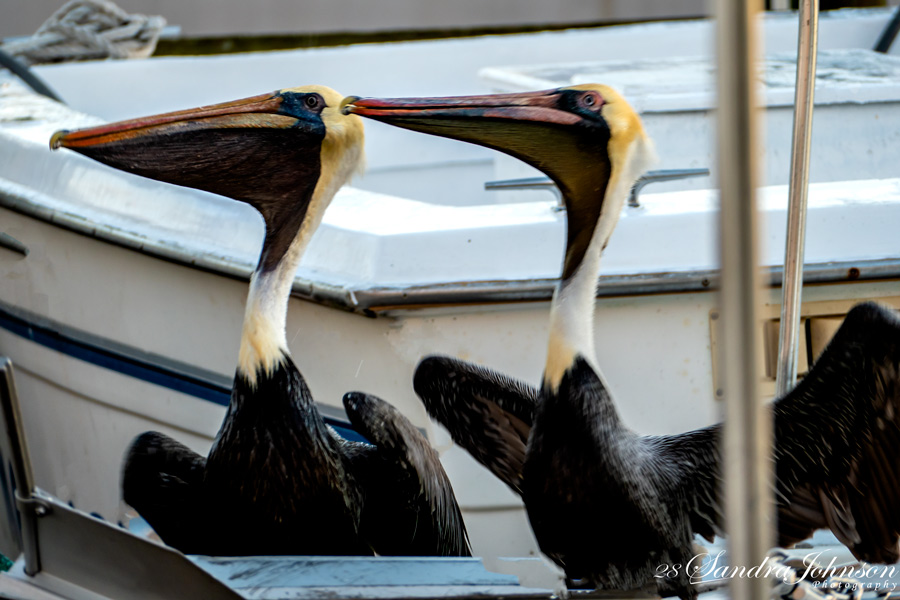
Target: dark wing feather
column 689, row 465
column 838, row 440
column 409, row 506
column 837, row 446
column 487, row 413
column 163, row 480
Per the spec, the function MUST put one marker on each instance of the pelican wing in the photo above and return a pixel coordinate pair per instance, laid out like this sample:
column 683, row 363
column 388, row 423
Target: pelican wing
column 837, row 446
column 486, row 413
column 409, row 508
column 838, row 440
column 163, row 480
column 689, row 465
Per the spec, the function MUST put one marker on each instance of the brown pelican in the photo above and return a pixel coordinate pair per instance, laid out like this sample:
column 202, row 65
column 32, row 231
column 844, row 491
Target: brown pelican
column 277, row 480
column 606, row 504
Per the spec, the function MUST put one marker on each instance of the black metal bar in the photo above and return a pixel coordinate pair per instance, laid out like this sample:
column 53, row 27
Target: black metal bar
column 889, row 33
column 10, row 243
column 25, row 74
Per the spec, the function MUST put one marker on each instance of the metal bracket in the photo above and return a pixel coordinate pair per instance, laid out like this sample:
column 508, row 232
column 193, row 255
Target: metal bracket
column 37, row 506
column 545, row 183
column 31, row 509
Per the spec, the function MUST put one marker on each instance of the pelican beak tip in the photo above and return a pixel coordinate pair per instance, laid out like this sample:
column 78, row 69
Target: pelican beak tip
column 347, row 104
column 56, row 140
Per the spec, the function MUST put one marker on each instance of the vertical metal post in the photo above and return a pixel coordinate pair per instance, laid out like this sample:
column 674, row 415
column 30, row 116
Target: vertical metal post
column 19, row 463
column 747, row 430
column 795, row 240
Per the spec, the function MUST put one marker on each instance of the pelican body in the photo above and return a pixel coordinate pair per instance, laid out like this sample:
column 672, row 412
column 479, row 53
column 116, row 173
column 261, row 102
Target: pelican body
column 608, row 505
column 277, row 479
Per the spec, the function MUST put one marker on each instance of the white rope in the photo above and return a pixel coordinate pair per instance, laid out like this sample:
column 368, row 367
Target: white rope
column 89, row 30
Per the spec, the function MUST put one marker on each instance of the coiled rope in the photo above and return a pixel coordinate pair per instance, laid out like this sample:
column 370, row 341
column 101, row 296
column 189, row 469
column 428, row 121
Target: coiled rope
column 89, row 30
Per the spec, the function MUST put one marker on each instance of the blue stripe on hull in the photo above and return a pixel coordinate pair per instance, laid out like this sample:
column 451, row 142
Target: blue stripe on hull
column 138, row 368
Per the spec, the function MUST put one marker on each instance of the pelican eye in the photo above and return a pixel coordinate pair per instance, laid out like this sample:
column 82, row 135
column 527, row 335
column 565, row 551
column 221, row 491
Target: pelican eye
column 313, row 101
column 591, row 100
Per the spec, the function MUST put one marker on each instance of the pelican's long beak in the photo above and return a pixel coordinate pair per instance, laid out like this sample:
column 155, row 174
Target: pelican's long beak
column 497, row 121
column 539, row 128
column 429, row 113
column 242, row 149
column 258, row 111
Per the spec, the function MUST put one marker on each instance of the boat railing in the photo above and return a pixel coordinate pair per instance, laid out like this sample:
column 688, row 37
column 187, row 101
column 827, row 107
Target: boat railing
column 798, row 196
column 545, row 183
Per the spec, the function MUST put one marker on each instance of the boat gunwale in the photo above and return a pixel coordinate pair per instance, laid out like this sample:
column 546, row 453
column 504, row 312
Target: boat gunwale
column 378, row 300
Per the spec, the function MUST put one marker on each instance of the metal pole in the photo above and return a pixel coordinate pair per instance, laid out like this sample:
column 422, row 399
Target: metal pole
column 747, row 430
column 19, row 464
column 798, row 189
column 780, row 5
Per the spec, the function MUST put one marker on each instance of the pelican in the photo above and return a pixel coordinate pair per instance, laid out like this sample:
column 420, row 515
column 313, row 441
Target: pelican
column 607, row 505
column 277, row 479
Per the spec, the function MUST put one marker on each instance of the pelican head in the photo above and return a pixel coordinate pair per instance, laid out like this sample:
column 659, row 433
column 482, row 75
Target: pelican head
column 586, row 138
column 286, row 154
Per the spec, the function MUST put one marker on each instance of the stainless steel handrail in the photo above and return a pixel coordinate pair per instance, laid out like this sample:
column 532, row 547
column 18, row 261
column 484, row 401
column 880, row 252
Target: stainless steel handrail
column 528, row 183
column 545, row 183
column 798, row 192
column 659, row 176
